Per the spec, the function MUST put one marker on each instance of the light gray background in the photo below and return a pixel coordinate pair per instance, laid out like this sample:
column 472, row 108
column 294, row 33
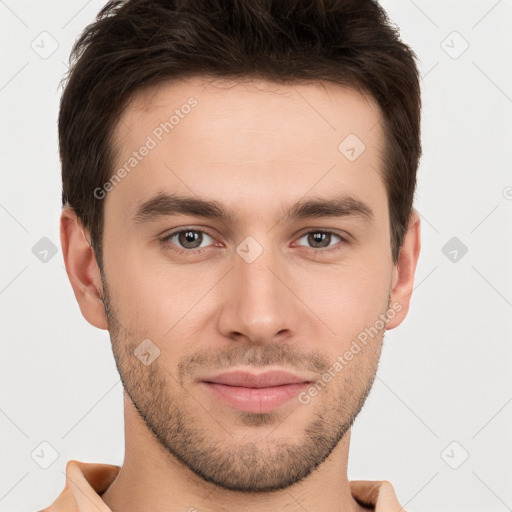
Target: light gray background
column 445, row 373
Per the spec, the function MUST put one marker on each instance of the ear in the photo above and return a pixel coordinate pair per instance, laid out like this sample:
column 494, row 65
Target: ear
column 82, row 269
column 403, row 273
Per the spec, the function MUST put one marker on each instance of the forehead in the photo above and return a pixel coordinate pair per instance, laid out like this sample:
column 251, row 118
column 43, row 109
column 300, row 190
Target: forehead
column 215, row 136
column 249, row 103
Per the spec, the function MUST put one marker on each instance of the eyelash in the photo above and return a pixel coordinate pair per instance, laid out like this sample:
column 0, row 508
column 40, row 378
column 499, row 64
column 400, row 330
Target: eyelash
column 173, row 248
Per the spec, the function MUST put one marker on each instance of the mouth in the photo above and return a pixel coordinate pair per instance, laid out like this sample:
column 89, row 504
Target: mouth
column 255, row 393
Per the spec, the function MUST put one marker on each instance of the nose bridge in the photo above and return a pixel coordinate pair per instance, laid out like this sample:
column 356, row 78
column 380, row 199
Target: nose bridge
column 260, row 305
column 257, row 282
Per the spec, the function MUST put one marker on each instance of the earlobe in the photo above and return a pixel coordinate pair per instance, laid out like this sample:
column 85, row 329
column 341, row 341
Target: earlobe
column 403, row 273
column 82, row 269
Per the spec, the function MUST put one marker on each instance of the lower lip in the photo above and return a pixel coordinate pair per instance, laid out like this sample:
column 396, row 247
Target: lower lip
column 256, row 400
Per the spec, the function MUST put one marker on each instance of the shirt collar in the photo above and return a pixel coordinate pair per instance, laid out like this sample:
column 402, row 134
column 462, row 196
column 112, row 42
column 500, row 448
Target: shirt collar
column 85, row 482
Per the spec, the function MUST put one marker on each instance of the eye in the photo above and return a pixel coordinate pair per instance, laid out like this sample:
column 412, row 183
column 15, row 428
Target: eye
column 320, row 239
column 194, row 240
column 188, row 239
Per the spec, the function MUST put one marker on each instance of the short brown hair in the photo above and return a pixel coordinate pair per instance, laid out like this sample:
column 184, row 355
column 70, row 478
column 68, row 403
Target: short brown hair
column 135, row 44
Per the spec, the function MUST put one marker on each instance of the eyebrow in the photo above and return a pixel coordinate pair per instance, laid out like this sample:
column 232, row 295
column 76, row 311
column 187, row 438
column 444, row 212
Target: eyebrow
column 165, row 204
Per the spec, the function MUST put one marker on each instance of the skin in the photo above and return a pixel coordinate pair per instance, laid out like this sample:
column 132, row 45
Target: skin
column 255, row 147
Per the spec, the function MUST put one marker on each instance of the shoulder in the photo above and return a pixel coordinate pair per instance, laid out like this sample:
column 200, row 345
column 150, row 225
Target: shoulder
column 379, row 494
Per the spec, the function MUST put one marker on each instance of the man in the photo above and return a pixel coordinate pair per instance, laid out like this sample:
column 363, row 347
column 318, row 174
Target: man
column 238, row 181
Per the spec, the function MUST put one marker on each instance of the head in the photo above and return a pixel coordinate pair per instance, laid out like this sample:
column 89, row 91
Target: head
column 238, row 182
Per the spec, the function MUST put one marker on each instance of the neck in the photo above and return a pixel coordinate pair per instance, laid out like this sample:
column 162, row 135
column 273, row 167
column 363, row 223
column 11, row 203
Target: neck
column 153, row 479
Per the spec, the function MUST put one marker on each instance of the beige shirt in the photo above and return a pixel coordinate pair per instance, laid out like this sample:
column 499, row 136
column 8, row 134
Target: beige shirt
column 85, row 482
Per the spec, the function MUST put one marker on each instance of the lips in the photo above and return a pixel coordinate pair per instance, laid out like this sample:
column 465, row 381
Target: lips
column 255, row 393
column 252, row 380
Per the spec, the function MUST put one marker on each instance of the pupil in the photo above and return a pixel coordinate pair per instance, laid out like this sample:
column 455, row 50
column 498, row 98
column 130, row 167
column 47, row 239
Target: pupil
column 190, row 239
column 319, row 237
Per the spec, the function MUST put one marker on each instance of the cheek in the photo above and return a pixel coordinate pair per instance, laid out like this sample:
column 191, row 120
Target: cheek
column 166, row 302
column 141, row 294
column 160, row 303
column 347, row 299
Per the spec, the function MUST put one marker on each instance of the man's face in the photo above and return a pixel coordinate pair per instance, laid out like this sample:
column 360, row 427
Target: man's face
column 255, row 291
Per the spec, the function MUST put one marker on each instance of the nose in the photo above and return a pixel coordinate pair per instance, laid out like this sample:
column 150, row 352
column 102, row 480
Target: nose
column 260, row 305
